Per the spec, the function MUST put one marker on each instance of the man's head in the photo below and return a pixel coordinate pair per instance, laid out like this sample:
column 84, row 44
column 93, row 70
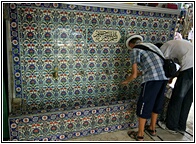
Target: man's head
column 133, row 40
column 158, row 44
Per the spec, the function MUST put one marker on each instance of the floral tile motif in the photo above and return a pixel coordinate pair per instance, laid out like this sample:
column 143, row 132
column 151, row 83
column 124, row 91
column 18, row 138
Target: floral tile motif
column 49, row 38
column 64, row 125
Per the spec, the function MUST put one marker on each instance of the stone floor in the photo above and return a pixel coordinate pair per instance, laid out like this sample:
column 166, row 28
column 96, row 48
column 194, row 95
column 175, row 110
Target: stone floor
column 162, row 135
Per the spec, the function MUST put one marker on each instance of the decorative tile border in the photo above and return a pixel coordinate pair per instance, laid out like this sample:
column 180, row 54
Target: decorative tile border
column 70, row 124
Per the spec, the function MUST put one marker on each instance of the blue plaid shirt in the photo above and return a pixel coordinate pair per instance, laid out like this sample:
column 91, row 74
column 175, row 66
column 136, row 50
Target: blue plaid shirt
column 150, row 63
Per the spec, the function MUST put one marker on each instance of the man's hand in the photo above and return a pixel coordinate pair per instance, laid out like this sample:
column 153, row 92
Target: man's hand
column 125, row 82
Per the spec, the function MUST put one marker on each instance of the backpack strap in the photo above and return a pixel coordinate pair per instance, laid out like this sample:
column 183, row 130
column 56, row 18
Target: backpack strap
column 146, row 48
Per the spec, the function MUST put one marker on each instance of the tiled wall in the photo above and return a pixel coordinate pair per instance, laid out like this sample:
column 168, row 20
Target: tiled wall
column 64, row 125
column 59, row 67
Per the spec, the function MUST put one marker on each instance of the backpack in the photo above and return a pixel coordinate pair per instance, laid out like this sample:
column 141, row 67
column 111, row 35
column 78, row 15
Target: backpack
column 169, row 65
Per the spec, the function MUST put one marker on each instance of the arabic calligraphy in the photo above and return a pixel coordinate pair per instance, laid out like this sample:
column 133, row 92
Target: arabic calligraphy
column 106, row 36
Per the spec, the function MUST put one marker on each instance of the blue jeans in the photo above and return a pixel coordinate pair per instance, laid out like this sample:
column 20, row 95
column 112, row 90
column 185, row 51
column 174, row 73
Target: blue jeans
column 180, row 102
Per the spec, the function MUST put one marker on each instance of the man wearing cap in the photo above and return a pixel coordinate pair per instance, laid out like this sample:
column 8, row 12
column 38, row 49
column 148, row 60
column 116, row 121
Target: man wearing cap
column 153, row 85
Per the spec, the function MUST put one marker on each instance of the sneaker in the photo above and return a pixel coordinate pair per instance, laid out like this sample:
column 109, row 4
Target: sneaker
column 171, row 131
column 161, row 125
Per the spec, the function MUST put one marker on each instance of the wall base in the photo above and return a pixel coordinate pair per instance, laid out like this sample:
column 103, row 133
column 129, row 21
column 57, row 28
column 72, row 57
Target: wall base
column 64, row 125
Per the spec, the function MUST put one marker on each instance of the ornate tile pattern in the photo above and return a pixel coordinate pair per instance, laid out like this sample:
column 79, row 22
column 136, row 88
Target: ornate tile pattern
column 59, row 67
column 73, row 123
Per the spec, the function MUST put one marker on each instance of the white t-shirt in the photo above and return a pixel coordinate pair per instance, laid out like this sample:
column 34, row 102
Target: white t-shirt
column 180, row 49
column 190, row 35
column 177, row 36
column 153, row 47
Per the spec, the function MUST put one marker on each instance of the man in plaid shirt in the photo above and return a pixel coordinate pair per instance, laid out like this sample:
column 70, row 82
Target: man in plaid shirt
column 150, row 102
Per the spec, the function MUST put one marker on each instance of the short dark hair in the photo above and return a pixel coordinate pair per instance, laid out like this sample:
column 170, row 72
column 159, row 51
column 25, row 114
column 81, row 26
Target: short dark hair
column 135, row 40
column 158, row 44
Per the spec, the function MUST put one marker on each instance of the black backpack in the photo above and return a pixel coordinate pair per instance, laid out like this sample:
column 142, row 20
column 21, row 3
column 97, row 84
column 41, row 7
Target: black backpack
column 169, row 65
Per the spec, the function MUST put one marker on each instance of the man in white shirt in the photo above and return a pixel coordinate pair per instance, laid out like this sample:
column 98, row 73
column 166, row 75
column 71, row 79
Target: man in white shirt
column 182, row 95
column 177, row 35
column 190, row 35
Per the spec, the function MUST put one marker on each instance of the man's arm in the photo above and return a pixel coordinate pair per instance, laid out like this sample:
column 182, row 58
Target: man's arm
column 133, row 75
